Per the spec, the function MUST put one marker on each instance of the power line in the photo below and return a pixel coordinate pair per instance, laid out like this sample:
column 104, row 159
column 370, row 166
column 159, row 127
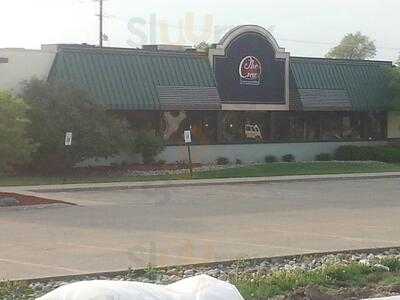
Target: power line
column 180, row 27
column 307, row 42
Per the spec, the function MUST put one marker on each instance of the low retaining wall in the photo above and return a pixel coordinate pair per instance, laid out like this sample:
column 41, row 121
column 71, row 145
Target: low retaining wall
column 247, row 153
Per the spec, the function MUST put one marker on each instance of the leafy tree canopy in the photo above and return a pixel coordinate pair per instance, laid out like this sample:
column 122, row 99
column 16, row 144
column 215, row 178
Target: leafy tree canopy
column 55, row 109
column 15, row 147
column 354, row 46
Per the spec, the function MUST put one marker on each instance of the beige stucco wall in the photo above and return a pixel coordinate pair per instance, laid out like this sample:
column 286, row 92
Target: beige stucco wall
column 394, row 125
column 22, row 65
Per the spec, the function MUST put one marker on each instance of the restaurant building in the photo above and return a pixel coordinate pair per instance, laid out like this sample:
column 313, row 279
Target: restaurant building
column 244, row 98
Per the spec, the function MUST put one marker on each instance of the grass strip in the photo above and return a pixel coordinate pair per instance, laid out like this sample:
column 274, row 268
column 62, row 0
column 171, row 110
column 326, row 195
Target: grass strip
column 272, row 169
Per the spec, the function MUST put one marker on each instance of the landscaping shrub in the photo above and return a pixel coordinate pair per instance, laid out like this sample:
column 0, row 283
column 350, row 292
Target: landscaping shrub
column 347, row 153
column 162, row 162
column 368, row 153
column 149, row 146
column 356, row 153
column 270, row 159
column 288, row 158
column 221, row 161
column 388, row 154
column 15, row 146
column 324, row 157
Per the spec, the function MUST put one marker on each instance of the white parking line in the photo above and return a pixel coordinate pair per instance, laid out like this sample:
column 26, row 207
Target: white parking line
column 43, row 266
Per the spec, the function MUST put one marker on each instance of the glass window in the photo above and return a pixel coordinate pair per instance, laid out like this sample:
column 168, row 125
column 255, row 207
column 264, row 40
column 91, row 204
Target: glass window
column 375, row 125
column 209, row 127
column 331, row 126
column 249, row 127
column 352, row 123
column 204, row 127
column 202, row 123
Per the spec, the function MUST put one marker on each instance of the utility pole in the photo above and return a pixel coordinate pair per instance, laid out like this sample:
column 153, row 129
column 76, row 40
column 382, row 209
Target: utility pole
column 101, row 23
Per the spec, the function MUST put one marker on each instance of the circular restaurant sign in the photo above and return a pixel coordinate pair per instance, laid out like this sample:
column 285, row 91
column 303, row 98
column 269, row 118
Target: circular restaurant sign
column 250, row 70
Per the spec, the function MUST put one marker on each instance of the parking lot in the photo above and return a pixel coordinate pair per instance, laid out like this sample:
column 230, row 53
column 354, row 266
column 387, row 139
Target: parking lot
column 118, row 229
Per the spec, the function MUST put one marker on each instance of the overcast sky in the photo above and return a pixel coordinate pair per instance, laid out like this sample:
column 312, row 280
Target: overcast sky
column 303, row 27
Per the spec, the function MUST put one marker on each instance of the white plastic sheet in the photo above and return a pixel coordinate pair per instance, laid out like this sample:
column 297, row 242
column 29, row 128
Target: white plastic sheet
column 201, row 287
column 386, row 298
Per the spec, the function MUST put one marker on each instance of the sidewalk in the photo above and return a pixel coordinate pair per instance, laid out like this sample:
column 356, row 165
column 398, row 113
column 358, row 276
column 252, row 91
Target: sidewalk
column 195, row 182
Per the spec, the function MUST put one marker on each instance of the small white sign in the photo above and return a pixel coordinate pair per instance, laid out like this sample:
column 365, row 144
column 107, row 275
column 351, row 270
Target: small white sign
column 188, row 136
column 68, row 139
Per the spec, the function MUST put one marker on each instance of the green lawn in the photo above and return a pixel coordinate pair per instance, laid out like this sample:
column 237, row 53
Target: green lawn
column 314, row 168
column 272, row 169
column 331, row 279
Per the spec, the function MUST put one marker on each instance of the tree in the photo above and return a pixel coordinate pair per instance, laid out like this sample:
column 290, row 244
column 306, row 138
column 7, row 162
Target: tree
column 15, row 146
column 354, row 46
column 56, row 108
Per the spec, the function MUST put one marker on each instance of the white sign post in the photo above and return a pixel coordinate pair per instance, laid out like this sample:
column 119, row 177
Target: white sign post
column 68, row 139
column 188, row 136
column 68, row 144
column 188, row 140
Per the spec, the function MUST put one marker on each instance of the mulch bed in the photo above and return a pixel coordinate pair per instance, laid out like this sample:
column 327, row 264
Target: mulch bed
column 24, row 200
column 120, row 170
column 113, row 171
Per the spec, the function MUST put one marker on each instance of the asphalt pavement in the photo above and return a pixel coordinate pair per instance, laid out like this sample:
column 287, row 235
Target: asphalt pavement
column 114, row 229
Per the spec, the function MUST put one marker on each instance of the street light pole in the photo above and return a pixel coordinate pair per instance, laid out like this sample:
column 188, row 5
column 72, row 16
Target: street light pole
column 101, row 24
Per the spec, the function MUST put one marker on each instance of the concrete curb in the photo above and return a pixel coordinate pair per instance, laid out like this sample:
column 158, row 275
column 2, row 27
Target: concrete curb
column 197, row 182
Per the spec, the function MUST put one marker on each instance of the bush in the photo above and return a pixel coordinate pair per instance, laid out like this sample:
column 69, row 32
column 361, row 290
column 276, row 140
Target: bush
column 221, row 161
column 270, row 159
column 238, row 161
column 354, row 153
column 324, row 157
column 347, row 153
column 368, row 153
column 149, row 146
column 162, row 162
column 388, row 154
column 15, row 147
column 288, row 158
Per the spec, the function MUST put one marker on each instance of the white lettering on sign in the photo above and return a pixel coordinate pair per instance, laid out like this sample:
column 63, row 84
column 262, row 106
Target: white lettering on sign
column 68, row 139
column 188, row 136
column 250, row 70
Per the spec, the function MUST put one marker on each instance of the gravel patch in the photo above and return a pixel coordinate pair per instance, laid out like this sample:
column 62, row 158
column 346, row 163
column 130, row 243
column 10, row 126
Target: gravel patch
column 223, row 271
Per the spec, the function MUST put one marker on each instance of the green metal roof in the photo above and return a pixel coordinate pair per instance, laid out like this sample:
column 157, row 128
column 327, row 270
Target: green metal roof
column 124, row 79
column 364, row 82
column 128, row 79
